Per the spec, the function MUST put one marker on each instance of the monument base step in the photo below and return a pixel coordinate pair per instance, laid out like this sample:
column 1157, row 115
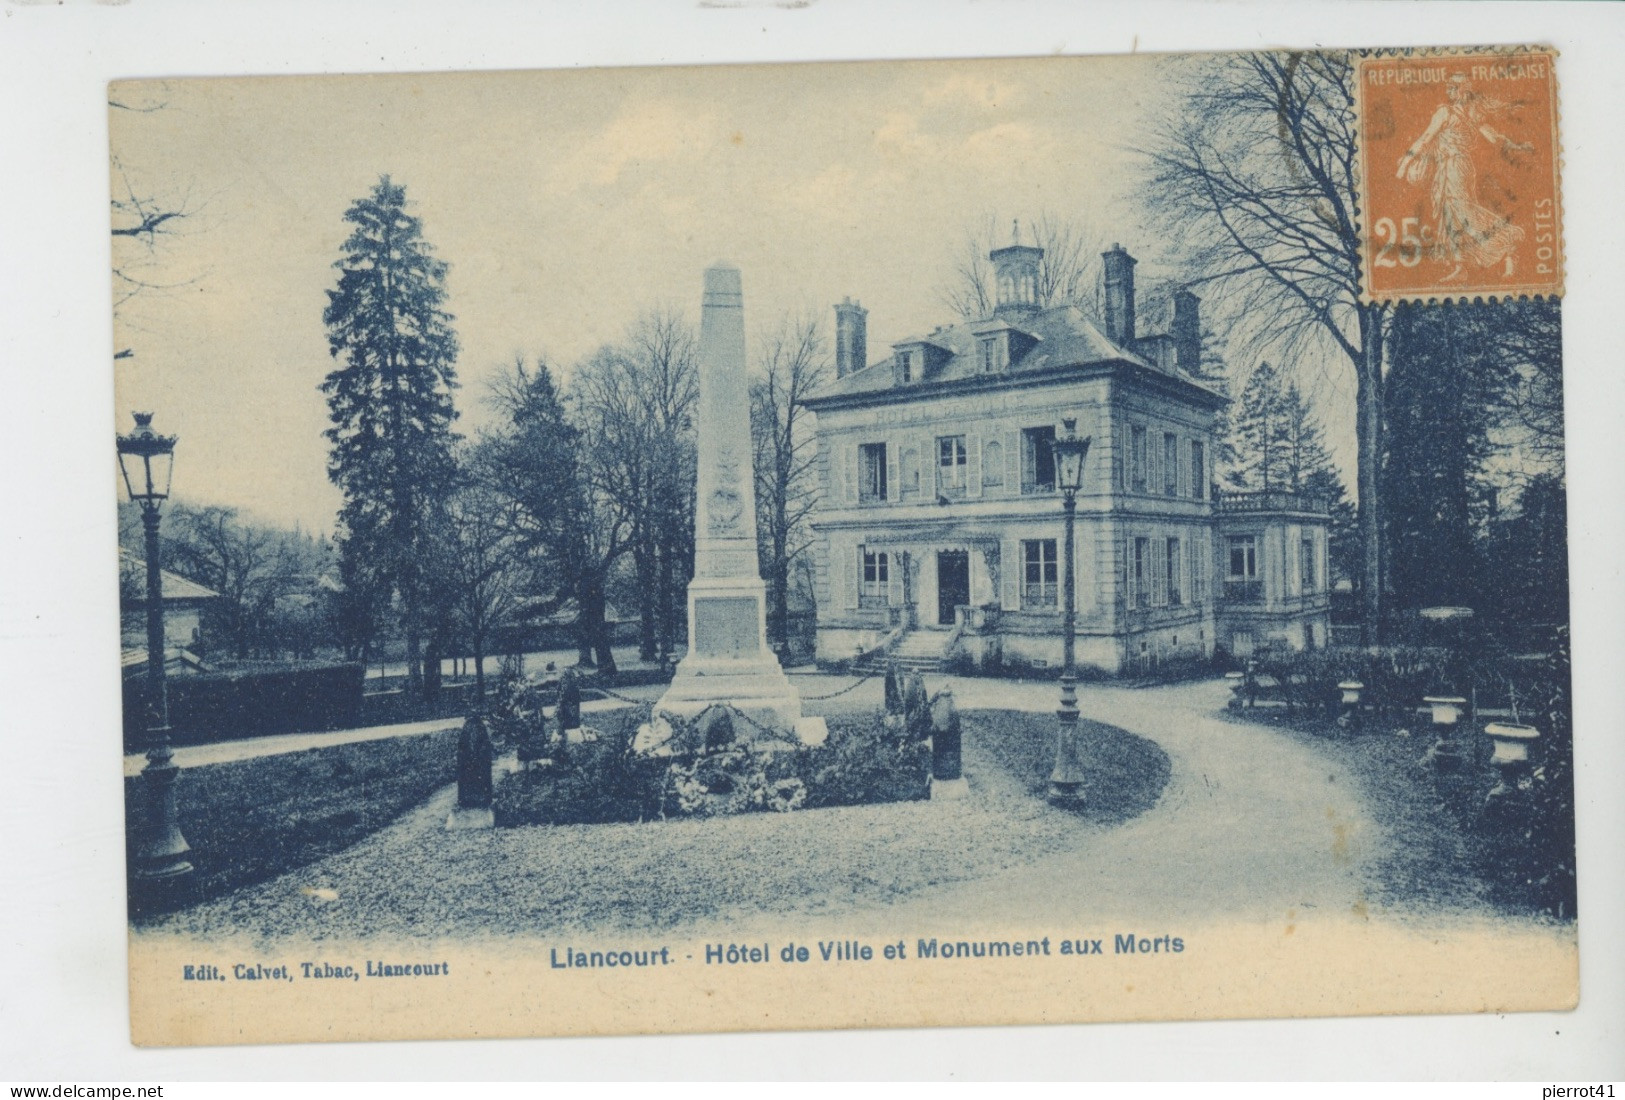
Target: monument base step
column 949, row 790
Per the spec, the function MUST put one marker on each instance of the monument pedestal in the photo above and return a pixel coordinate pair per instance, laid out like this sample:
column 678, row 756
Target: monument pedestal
column 730, row 663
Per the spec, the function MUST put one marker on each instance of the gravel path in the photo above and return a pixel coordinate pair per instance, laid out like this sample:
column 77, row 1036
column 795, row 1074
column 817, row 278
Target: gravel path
column 1251, row 825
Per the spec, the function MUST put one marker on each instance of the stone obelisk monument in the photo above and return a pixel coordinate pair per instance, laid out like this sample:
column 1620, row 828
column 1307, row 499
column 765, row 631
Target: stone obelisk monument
column 728, row 659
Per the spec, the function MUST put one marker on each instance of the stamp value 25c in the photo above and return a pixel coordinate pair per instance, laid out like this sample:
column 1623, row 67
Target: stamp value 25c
column 1459, row 162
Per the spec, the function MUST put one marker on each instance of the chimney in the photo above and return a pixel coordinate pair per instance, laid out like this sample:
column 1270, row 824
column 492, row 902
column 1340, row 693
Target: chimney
column 1119, row 297
column 1187, row 332
column 851, row 337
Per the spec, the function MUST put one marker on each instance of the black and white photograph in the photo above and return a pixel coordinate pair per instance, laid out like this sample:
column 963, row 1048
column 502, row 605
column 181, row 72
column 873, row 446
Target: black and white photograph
column 619, row 550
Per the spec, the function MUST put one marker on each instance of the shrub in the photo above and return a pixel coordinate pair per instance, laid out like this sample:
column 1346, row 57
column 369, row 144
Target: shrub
column 862, row 762
column 249, row 703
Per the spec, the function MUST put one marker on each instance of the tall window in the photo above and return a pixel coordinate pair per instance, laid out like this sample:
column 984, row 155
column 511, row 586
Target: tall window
column 1170, row 464
column 875, row 589
column 1198, row 470
column 993, row 464
column 951, row 464
column 910, row 364
column 1307, row 565
column 1136, row 458
column 872, row 472
column 1174, row 564
column 1038, row 459
column 1241, row 579
column 1039, row 587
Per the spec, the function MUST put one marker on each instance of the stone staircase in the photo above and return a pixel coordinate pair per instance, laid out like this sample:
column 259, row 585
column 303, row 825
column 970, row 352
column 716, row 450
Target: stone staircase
column 916, row 651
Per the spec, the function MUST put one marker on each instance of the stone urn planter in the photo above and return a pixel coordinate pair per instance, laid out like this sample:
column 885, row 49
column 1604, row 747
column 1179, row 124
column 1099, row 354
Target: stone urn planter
column 1446, row 708
column 1237, row 683
column 1511, row 741
column 1350, row 700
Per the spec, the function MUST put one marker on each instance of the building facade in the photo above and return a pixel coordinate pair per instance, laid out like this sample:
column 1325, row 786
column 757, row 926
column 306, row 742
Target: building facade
column 940, row 524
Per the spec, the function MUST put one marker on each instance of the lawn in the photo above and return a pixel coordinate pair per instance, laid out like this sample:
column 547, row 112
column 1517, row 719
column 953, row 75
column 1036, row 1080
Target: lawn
column 251, row 820
column 415, row 879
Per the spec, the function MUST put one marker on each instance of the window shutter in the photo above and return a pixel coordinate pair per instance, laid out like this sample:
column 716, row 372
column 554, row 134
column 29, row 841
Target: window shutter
column 850, row 575
column 894, row 578
column 973, row 465
column 1125, row 574
column 1119, row 459
column 849, row 473
column 1012, row 463
column 1159, row 571
column 1011, row 570
column 894, row 475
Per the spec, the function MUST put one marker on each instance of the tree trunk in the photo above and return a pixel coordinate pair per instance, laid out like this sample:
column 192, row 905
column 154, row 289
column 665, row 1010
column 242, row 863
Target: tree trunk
column 479, row 672
column 431, row 669
column 1368, row 435
column 778, row 622
column 668, row 618
column 414, row 655
column 643, row 559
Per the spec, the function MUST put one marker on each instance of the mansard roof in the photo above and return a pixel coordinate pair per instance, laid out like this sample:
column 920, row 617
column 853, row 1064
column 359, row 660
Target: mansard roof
column 1062, row 338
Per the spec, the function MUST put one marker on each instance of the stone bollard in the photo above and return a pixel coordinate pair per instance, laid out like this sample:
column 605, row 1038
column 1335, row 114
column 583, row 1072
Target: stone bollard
column 895, row 720
column 534, row 749
column 569, row 708
column 947, row 774
column 1351, row 689
column 473, row 809
column 916, row 710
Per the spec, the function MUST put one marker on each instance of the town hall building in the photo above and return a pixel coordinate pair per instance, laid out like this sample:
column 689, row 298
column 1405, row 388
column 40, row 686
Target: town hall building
column 940, row 521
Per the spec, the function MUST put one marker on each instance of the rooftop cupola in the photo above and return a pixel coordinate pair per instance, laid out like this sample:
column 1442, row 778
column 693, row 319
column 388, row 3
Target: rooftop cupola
column 1015, row 272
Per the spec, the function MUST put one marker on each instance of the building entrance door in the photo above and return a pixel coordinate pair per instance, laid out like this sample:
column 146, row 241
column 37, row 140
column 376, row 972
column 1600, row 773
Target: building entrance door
column 953, row 583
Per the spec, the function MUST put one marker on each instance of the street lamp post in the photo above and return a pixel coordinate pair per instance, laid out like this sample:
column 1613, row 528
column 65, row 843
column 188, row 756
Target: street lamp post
column 1066, row 781
column 146, row 459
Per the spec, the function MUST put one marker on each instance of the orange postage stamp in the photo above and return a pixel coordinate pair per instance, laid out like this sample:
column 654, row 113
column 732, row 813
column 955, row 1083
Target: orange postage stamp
column 1458, row 163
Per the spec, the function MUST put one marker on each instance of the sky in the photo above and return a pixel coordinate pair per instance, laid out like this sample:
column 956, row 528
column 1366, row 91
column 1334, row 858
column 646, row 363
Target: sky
column 566, row 203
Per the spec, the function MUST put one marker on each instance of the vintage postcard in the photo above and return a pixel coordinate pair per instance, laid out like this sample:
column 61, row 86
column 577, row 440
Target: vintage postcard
column 843, row 545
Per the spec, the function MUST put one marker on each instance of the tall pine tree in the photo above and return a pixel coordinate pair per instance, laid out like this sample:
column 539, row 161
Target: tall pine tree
column 1277, row 443
column 390, row 401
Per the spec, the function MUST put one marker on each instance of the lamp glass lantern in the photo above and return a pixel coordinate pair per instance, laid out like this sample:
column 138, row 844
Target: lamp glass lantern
column 147, row 461
column 1070, row 452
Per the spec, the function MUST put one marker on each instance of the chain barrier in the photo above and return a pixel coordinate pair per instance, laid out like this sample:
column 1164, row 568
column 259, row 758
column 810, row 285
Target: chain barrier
column 836, row 694
column 842, row 691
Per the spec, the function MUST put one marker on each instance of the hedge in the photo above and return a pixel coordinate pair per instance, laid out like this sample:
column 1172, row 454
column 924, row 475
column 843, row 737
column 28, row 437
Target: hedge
column 225, row 706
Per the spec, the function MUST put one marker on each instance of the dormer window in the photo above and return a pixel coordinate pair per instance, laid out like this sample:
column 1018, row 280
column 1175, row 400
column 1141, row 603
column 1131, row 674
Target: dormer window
column 914, row 360
column 992, row 353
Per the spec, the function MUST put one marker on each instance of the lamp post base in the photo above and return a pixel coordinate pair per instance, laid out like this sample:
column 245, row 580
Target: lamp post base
column 160, row 848
column 1066, row 781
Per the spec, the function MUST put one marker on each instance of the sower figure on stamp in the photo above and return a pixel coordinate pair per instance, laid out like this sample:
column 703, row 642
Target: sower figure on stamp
column 1442, row 157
